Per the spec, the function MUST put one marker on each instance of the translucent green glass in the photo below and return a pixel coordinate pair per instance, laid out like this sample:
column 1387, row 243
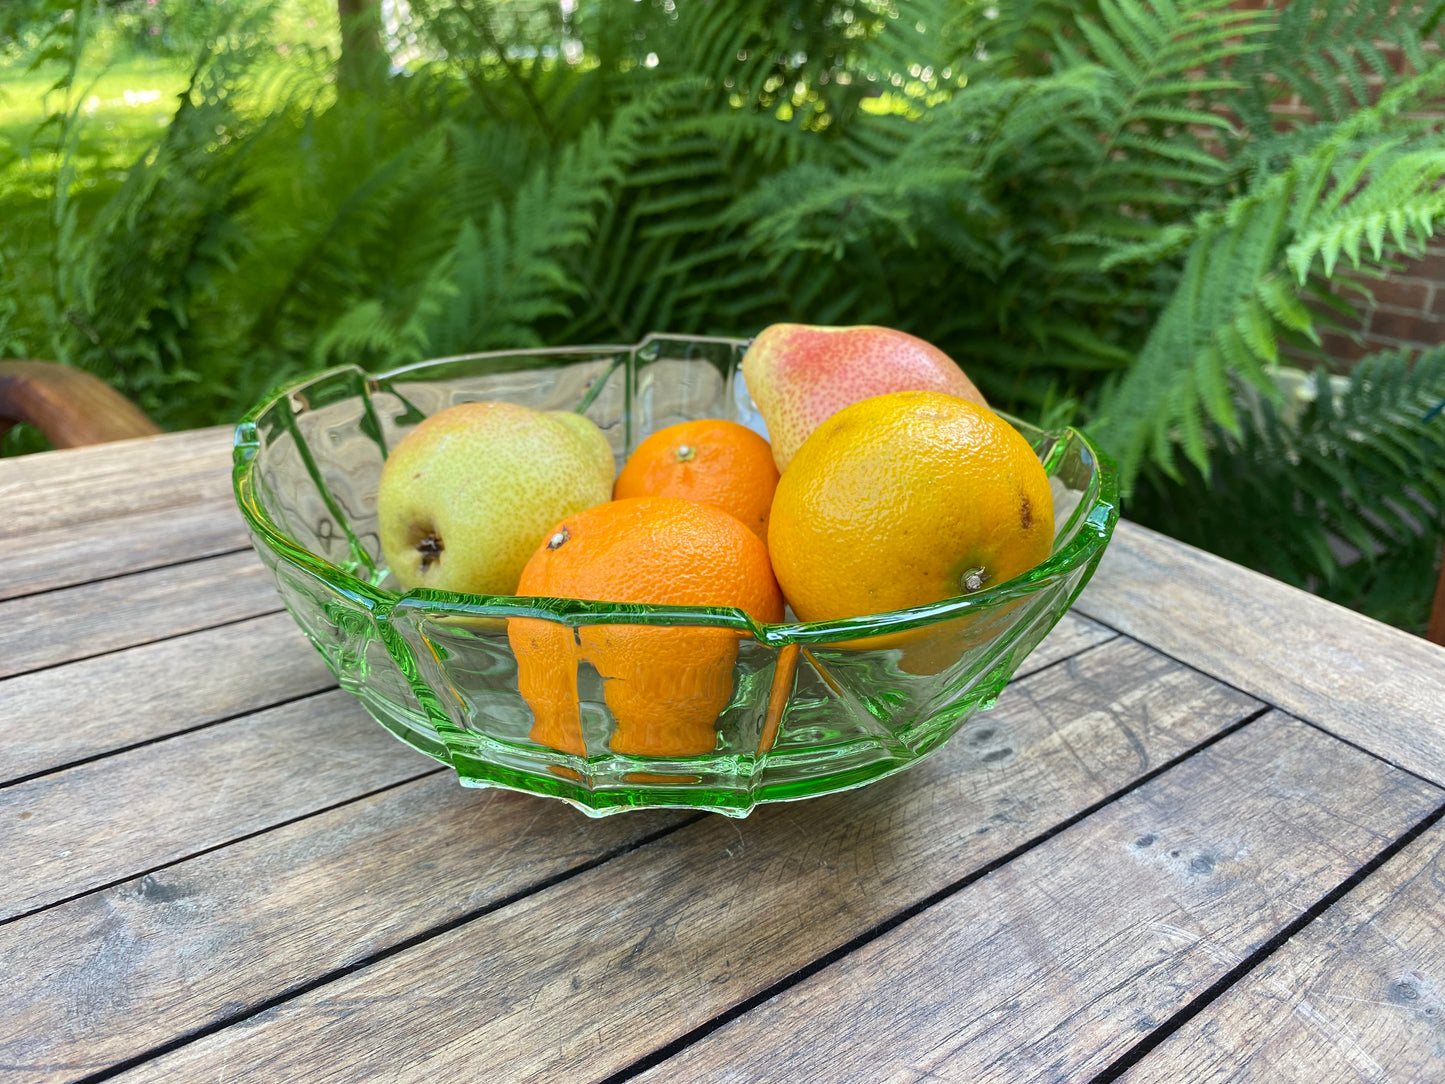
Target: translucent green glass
column 812, row 710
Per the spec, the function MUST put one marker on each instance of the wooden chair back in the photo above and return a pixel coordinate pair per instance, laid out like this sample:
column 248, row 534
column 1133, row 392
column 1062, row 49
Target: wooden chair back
column 69, row 406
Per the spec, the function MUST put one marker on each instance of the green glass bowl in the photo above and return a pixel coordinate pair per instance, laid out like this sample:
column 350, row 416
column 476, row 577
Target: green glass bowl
column 810, row 713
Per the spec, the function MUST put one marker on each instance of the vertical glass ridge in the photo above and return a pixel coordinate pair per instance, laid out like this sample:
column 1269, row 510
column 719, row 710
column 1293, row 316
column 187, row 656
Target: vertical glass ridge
column 303, row 449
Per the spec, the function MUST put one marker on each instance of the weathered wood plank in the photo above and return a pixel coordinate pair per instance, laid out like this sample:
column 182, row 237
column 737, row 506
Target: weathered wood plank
column 582, row 979
column 76, row 830
column 104, row 978
column 43, row 560
column 88, row 708
column 80, row 485
column 1070, row 636
column 1354, row 676
column 90, row 619
column 1356, row 995
column 198, row 941
column 1056, row 964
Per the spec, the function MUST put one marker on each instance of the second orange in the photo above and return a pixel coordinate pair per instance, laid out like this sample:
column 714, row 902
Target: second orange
column 711, row 461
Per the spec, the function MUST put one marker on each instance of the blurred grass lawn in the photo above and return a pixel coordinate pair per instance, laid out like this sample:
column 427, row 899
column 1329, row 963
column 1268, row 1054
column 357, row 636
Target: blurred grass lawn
column 126, row 100
column 124, row 110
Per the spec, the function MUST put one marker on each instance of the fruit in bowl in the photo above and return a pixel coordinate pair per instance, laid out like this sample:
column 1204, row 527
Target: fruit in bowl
column 464, row 498
column 779, row 708
column 801, row 375
column 664, row 686
column 906, row 499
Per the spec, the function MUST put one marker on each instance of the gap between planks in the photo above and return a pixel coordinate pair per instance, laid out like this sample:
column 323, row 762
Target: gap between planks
column 74, row 623
column 1358, row 679
column 91, row 552
column 118, row 701
column 1051, row 967
column 1355, row 993
column 1061, row 748
column 51, row 490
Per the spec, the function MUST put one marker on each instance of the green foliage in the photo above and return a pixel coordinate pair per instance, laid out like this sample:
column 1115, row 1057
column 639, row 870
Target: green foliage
column 11, row 345
column 125, row 285
column 1360, row 471
column 1091, row 206
column 1370, row 177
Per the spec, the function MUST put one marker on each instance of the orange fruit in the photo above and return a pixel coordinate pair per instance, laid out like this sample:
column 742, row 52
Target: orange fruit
column 713, row 461
column 906, row 499
column 664, row 685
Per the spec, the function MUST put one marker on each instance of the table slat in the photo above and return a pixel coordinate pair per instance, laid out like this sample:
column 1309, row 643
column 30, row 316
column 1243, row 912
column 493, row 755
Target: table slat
column 1057, row 964
column 1352, row 675
column 1071, row 636
column 43, row 560
column 88, row 826
column 584, row 978
column 91, row 619
column 1356, row 995
column 89, row 708
column 80, row 485
column 106, row 977
column 280, row 909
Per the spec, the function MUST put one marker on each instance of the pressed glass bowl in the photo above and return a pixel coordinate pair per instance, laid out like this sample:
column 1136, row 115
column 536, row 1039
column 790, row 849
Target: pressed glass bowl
column 814, row 708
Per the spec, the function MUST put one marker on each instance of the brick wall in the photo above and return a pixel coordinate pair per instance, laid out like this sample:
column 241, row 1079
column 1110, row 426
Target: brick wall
column 1409, row 310
column 1409, row 305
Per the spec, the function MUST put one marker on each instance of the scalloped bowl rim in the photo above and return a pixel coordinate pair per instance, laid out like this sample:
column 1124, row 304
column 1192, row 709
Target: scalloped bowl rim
column 1097, row 519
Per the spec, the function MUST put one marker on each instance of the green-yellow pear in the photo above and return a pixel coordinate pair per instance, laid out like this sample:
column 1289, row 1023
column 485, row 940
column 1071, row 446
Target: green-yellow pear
column 469, row 494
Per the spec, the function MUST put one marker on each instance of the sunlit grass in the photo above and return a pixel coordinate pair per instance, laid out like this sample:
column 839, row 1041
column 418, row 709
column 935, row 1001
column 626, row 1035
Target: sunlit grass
column 120, row 112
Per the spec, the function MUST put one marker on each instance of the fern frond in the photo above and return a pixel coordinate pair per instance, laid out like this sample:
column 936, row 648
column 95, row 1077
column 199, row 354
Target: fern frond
column 1399, row 207
column 1326, row 470
column 1327, row 54
column 1347, row 189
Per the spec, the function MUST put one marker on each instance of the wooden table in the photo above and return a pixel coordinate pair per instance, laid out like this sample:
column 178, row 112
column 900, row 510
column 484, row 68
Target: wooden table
column 1197, row 839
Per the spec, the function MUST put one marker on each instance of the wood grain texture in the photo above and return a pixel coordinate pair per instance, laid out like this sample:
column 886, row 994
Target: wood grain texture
column 581, row 979
column 1359, row 994
column 90, row 619
column 1070, row 636
column 81, row 485
column 88, row 708
column 1055, row 965
column 109, row 976
column 1367, row 682
column 73, row 831
column 43, row 560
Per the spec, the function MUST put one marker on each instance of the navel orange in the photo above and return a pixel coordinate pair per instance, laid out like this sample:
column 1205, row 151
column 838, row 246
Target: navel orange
column 711, row 460
column 665, row 686
column 906, row 499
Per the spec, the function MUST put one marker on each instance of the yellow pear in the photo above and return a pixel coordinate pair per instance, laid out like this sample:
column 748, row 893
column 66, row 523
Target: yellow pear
column 469, row 494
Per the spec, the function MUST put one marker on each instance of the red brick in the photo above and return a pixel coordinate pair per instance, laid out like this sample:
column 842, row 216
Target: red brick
column 1414, row 328
column 1394, row 55
column 1343, row 348
column 1438, row 308
column 1374, row 345
column 1430, row 266
column 1410, row 295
